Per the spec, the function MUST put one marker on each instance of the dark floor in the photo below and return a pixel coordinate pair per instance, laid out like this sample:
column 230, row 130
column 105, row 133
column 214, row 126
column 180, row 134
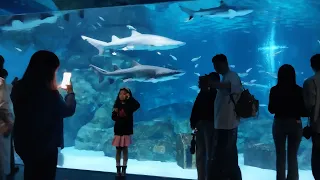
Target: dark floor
column 71, row 174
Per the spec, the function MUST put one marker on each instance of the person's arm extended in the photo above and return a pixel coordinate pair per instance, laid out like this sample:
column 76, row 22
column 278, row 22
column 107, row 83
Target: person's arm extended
column 309, row 94
column 67, row 106
column 233, row 84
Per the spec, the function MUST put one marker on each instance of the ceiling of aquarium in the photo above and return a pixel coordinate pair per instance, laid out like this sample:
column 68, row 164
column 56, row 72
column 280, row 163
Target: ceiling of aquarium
column 37, row 6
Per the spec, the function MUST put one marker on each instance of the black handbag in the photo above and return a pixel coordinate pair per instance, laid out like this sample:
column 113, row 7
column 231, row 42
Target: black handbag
column 193, row 143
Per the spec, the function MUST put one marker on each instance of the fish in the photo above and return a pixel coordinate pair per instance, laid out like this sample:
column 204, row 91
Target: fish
column 242, row 74
column 196, row 88
column 195, row 66
column 101, row 18
column 278, row 52
column 248, row 70
column 256, row 85
column 131, row 27
column 25, row 22
column 253, row 81
column 158, row 53
column 274, row 75
column 140, row 73
column 197, row 74
column 195, row 59
column 222, row 11
column 137, row 41
column 232, row 66
column 173, row 57
column 18, row 49
column 319, row 41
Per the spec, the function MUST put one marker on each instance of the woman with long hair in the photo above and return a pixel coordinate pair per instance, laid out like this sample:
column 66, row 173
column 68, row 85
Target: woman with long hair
column 286, row 103
column 202, row 122
column 39, row 111
column 123, row 109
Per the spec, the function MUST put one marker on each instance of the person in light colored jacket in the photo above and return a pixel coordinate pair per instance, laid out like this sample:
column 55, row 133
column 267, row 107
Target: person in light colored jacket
column 6, row 118
column 311, row 95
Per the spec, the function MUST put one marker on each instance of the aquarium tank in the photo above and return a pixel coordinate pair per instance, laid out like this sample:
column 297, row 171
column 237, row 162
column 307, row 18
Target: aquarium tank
column 105, row 49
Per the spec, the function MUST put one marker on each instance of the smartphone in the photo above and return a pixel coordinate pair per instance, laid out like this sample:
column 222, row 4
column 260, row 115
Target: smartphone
column 66, row 80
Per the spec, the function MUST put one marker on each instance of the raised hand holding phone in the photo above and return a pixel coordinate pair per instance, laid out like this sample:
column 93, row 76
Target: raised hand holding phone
column 66, row 80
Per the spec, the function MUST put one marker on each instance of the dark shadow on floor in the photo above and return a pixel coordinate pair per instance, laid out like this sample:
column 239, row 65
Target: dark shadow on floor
column 72, row 174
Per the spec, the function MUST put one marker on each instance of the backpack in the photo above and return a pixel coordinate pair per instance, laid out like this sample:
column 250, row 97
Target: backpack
column 247, row 105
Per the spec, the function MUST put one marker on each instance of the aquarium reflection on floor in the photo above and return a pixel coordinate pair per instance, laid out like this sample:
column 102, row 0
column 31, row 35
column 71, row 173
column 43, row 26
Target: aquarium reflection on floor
column 159, row 51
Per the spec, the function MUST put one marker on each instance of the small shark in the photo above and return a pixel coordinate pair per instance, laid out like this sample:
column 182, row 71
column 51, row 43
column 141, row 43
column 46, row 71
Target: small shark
column 28, row 21
column 137, row 41
column 140, row 73
column 223, row 11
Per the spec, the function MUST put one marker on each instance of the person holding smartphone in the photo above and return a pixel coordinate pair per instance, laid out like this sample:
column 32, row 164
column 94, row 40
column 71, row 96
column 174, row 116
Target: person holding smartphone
column 39, row 111
column 123, row 109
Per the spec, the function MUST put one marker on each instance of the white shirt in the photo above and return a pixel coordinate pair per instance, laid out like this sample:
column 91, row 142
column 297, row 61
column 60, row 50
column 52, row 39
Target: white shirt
column 224, row 115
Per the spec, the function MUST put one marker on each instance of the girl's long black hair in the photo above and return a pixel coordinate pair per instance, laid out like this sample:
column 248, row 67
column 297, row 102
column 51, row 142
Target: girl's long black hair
column 286, row 76
column 118, row 101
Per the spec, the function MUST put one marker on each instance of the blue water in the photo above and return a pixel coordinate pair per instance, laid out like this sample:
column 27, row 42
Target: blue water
column 256, row 45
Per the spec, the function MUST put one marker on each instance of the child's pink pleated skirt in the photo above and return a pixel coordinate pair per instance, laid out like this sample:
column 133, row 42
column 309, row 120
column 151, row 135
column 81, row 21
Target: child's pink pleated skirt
column 121, row 141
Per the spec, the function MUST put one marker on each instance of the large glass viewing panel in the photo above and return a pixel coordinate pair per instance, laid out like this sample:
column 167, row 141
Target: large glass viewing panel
column 257, row 37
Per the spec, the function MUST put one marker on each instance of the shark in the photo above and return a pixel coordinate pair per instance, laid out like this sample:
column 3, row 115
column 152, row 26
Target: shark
column 22, row 22
column 223, row 11
column 137, row 41
column 139, row 73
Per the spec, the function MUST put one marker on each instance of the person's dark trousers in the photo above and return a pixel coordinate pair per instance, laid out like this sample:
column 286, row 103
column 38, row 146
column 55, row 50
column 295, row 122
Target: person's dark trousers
column 225, row 158
column 315, row 157
column 282, row 130
column 41, row 167
column 204, row 145
column 13, row 168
